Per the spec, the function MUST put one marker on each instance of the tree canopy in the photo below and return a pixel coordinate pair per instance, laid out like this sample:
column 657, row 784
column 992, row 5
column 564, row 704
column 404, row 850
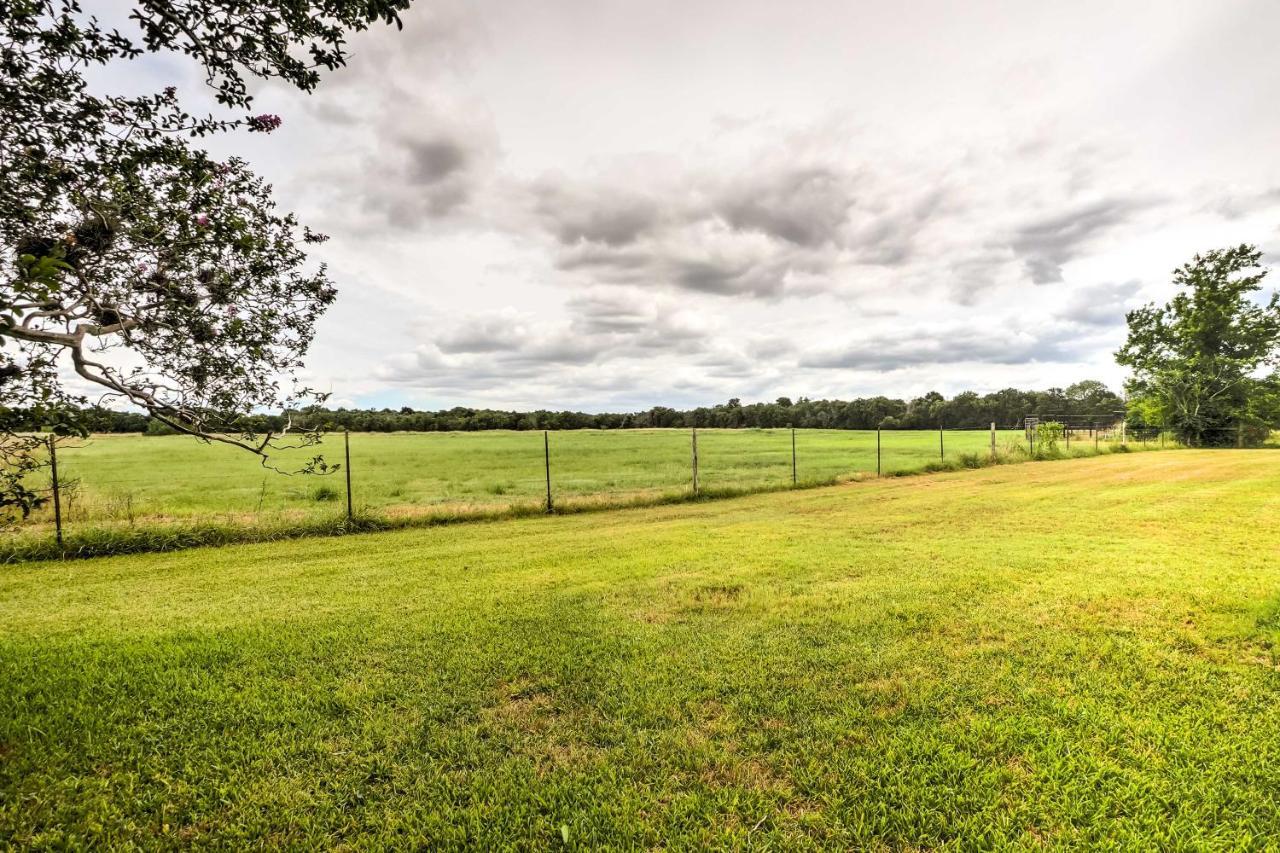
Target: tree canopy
column 159, row 274
column 1200, row 362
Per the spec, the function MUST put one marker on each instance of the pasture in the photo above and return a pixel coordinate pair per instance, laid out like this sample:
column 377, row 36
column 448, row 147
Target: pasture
column 1058, row 654
column 133, row 479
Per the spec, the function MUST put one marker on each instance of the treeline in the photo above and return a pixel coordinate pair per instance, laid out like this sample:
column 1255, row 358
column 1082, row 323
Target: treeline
column 94, row 418
column 1080, row 402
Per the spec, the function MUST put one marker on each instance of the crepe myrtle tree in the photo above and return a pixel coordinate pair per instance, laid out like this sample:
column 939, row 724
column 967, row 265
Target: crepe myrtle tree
column 159, row 274
column 1200, row 363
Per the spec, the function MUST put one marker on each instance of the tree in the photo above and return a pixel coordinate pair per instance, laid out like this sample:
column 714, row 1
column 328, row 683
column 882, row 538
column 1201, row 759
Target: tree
column 1091, row 397
column 164, row 276
column 1197, row 361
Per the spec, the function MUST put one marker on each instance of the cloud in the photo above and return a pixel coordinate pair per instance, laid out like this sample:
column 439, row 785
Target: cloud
column 806, row 206
column 504, row 331
column 702, row 256
column 433, row 160
column 604, row 327
column 599, row 213
column 1046, row 244
column 1100, row 305
column 946, row 345
column 407, row 142
column 1242, row 203
column 759, row 233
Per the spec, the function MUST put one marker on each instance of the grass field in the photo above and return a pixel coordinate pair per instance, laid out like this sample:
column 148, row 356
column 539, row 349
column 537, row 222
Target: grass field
column 1062, row 654
column 120, row 481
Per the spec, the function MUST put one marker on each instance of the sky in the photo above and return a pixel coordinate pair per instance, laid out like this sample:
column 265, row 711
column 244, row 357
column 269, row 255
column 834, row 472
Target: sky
column 606, row 205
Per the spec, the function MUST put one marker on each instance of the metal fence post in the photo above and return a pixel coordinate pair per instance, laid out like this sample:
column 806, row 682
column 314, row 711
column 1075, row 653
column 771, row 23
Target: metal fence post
column 695, row 461
column 993, row 439
column 546, row 453
column 346, row 449
column 793, row 456
column 57, row 495
column 1066, row 430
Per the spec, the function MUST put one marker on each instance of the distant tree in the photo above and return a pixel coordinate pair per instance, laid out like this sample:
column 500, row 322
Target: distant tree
column 1198, row 362
column 1090, row 396
column 120, row 234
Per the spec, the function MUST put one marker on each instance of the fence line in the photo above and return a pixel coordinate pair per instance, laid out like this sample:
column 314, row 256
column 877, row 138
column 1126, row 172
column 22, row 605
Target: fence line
column 1147, row 438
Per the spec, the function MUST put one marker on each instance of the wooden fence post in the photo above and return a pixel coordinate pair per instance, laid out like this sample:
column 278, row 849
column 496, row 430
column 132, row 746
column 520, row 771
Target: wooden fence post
column 793, row 456
column 695, row 461
column 57, row 495
column 546, row 453
column 942, row 450
column 877, row 451
column 346, row 449
column 993, row 439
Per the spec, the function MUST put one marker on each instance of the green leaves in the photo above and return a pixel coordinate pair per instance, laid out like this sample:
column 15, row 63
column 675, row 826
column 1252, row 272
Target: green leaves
column 122, row 234
column 1195, row 360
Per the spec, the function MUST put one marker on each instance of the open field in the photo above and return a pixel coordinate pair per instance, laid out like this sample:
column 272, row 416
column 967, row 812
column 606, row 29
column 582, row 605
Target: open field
column 1052, row 654
column 175, row 476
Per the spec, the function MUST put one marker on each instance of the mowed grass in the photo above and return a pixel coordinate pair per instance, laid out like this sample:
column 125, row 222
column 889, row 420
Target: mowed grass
column 1063, row 653
column 124, row 479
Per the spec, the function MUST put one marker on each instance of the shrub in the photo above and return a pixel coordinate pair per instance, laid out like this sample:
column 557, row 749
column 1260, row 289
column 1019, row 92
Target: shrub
column 1048, row 434
column 325, row 493
column 155, row 427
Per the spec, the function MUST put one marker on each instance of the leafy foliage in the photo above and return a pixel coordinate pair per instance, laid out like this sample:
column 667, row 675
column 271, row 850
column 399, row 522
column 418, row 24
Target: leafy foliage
column 1048, row 434
column 167, row 275
column 1197, row 361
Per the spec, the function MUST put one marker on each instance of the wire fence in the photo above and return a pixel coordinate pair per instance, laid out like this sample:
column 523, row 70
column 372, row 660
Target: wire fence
column 129, row 481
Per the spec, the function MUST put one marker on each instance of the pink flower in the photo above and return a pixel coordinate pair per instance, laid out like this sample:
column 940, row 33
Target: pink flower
column 202, row 219
column 264, row 123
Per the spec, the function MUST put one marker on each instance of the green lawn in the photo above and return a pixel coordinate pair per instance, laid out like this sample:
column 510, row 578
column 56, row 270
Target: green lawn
column 118, row 478
column 1074, row 654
